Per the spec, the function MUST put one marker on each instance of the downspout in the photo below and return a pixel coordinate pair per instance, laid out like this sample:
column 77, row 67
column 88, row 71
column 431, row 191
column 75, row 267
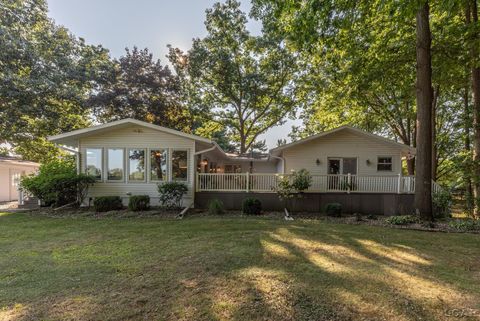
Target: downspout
column 281, row 159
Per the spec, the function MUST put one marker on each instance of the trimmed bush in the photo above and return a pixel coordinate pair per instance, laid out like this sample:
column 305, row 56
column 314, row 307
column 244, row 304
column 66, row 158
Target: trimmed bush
column 57, row 183
column 215, row 207
column 402, row 220
column 171, row 194
column 333, row 209
column 139, row 203
column 107, row 203
column 252, row 206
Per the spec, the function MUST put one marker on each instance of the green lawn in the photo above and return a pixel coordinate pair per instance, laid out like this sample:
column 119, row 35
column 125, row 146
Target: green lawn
column 231, row 269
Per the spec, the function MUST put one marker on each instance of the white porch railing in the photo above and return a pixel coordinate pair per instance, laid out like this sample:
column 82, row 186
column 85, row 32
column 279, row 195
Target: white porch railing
column 246, row 182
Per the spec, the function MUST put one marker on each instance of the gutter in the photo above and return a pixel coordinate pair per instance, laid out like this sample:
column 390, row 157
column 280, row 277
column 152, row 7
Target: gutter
column 207, row 150
column 74, row 151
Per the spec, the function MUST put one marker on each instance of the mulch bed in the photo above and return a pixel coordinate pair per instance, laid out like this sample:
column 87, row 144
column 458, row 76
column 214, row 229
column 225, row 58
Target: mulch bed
column 156, row 212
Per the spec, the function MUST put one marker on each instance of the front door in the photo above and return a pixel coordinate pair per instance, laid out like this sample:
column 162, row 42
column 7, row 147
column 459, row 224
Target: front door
column 344, row 166
column 334, row 166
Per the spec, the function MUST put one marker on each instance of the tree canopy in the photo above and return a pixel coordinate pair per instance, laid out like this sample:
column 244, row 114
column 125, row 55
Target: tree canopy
column 244, row 83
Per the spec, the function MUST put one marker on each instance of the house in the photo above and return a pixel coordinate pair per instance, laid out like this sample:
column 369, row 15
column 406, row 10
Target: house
column 361, row 170
column 11, row 170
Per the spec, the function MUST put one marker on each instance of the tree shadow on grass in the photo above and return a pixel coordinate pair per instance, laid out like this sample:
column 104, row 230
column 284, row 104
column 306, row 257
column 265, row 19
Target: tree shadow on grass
column 239, row 270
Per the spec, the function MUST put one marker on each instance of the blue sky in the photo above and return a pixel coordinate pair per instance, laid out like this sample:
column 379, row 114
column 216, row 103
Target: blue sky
column 154, row 24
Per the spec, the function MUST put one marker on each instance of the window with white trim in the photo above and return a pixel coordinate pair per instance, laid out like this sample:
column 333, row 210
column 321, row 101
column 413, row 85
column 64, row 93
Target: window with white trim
column 158, row 164
column 384, row 164
column 115, row 167
column 136, row 165
column 179, row 165
column 93, row 162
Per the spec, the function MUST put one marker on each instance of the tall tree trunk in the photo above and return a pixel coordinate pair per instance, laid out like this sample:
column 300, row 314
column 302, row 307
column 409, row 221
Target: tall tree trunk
column 423, row 166
column 467, row 175
column 473, row 9
column 436, row 93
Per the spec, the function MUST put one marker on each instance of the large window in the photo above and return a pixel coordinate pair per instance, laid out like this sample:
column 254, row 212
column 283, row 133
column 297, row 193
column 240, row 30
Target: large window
column 384, row 164
column 115, row 164
column 158, row 164
column 93, row 165
column 136, row 165
column 180, row 165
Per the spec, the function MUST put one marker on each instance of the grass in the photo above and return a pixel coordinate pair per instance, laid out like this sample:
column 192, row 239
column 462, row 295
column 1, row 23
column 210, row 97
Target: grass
column 220, row 268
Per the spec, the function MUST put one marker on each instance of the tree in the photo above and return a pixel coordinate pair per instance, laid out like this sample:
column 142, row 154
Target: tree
column 423, row 177
column 473, row 44
column 46, row 75
column 242, row 82
column 140, row 87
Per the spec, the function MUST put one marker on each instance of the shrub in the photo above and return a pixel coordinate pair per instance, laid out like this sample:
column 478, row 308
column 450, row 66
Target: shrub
column 171, row 194
column 301, row 180
column 442, row 204
column 252, row 206
column 333, row 209
column 107, row 203
column 139, row 203
column 402, row 219
column 215, row 207
column 465, row 225
column 57, row 183
column 289, row 188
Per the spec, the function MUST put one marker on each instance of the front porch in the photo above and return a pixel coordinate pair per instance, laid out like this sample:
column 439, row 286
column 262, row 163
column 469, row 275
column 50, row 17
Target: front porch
column 268, row 182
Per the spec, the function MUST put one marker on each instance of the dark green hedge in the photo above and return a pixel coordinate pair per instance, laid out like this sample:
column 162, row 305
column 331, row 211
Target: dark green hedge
column 107, row 203
column 252, row 206
column 139, row 203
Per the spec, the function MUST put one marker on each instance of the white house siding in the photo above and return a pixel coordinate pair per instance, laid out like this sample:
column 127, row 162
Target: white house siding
column 136, row 137
column 344, row 143
column 9, row 179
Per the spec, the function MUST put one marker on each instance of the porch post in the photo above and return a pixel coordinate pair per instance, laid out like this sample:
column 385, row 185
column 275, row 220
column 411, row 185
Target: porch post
column 248, row 181
column 399, row 185
column 349, row 182
column 197, row 182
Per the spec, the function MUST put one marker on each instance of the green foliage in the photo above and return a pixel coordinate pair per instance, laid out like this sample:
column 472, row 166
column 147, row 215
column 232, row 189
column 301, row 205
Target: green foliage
column 465, row 225
column 57, row 183
column 290, row 186
column 139, row 203
column 46, row 75
column 243, row 82
column 107, row 203
column 333, row 209
column 140, row 87
column 171, row 194
column 252, row 206
column 285, row 189
column 216, row 207
column 442, row 204
column 301, row 180
column 402, row 220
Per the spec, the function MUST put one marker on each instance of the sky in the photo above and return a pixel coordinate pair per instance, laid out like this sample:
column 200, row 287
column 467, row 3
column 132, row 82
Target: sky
column 116, row 24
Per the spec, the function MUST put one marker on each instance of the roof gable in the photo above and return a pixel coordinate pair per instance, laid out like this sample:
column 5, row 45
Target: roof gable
column 354, row 130
column 69, row 137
